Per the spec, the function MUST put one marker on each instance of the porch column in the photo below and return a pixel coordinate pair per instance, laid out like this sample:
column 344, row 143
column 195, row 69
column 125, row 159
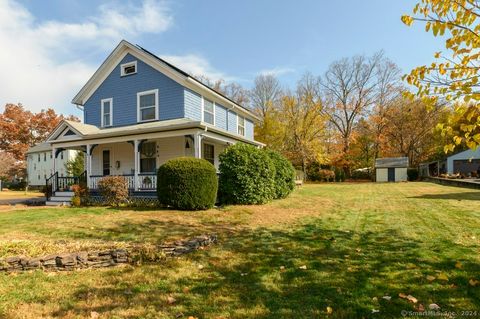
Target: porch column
column 137, row 163
column 198, row 145
column 88, row 162
column 54, row 156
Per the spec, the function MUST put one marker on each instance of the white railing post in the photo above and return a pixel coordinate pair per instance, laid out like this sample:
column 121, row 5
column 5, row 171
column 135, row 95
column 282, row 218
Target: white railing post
column 137, row 164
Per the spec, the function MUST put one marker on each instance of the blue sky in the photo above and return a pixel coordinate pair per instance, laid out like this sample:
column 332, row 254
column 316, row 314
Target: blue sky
column 54, row 46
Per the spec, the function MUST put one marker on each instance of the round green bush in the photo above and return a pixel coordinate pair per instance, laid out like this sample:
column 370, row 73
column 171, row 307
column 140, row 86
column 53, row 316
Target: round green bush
column 247, row 175
column 284, row 175
column 187, row 183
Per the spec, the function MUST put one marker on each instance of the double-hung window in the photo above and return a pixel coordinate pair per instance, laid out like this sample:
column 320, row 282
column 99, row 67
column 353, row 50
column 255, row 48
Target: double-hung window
column 107, row 105
column 147, row 106
column 241, row 125
column 208, row 112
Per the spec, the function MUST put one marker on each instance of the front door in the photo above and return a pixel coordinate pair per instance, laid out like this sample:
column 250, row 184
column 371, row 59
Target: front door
column 391, row 174
column 106, row 162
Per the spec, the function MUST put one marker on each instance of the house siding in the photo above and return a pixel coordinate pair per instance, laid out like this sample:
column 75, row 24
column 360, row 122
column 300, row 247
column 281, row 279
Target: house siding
column 124, row 91
column 220, row 116
column 232, row 122
column 193, row 105
column 249, row 129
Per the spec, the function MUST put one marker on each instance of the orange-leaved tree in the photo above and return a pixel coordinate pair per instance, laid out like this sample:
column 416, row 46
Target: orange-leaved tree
column 454, row 75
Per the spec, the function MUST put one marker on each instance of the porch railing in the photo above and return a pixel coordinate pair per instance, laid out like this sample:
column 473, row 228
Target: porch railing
column 57, row 183
column 145, row 181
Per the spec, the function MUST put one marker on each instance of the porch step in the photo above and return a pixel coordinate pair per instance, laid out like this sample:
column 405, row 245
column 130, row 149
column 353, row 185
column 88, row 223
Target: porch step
column 64, row 194
column 58, row 203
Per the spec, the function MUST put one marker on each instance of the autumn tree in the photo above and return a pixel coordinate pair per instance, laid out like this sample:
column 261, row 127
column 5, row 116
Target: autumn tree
column 410, row 130
column 454, row 75
column 7, row 162
column 303, row 122
column 265, row 97
column 21, row 129
column 351, row 88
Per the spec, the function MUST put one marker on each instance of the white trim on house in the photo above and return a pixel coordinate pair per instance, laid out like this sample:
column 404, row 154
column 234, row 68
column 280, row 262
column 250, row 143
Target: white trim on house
column 124, row 48
column 102, row 111
column 140, row 94
column 212, row 113
column 126, row 65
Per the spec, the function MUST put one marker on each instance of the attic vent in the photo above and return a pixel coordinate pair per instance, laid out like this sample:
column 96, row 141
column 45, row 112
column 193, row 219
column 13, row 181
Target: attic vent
column 128, row 68
column 69, row 132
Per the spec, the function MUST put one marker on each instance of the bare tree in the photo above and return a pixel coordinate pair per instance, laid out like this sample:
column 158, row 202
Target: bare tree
column 232, row 90
column 265, row 94
column 352, row 87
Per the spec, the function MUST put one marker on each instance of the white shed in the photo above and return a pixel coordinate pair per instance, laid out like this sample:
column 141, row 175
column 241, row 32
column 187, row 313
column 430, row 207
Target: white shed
column 391, row 169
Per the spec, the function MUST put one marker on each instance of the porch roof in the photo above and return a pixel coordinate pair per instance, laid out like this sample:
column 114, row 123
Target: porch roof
column 87, row 131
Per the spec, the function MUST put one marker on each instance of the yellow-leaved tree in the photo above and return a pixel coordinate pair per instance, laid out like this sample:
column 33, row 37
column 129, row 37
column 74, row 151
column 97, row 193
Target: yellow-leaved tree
column 454, row 75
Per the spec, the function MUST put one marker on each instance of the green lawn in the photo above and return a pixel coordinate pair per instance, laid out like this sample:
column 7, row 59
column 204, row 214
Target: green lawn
column 359, row 243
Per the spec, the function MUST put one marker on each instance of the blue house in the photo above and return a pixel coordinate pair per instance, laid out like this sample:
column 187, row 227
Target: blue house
column 140, row 111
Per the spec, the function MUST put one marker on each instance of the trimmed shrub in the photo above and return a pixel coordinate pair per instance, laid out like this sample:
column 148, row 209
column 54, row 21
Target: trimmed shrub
column 114, row 190
column 412, row 174
column 313, row 172
column 81, row 192
column 247, row 175
column 361, row 175
column 284, row 174
column 187, row 183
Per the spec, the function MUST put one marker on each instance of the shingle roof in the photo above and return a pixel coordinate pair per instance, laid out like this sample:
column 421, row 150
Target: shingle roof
column 391, row 162
column 41, row 147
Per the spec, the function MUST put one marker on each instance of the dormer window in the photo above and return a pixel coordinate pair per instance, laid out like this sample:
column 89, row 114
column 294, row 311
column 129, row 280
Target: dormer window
column 128, row 68
column 241, row 126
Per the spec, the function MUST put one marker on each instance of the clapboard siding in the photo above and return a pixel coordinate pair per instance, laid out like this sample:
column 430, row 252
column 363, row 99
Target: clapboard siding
column 232, row 122
column 220, row 116
column 124, row 91
column 193, row 105
column 249, row 129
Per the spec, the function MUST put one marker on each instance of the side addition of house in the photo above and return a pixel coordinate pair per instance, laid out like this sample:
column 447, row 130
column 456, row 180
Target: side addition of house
column 140, row 111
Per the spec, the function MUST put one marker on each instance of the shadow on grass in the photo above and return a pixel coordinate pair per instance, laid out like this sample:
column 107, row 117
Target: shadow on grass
column 348, row 271
column 454, row 196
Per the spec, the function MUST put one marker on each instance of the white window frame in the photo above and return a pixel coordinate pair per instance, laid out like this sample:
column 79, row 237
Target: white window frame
column 126, row 65
column 102, row 102
column 203, row 111
column 139, row 94
column 238, row 125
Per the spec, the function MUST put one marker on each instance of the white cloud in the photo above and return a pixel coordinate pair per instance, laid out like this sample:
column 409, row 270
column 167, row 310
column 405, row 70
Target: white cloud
column 42, row 62
column 277, row 71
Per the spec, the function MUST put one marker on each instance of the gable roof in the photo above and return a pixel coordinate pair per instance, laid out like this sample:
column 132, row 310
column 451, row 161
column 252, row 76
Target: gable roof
column 160, row 65
column 391, row 162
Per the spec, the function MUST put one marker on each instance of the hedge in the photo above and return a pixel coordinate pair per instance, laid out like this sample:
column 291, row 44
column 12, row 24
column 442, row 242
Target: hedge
column 412, row 174
column 247, row 175
column 284, row 174
column 187, row 183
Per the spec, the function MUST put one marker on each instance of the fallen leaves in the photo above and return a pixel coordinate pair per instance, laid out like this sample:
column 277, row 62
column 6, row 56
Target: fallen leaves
column 442, row 276
column 431, row 278
column 408, row 297
column 171, row 300
column 388, row 298
column 94, row 315
column 433, row 306
column 458, row 265
column 329, row 310
column 473, row 282
column 304, row 267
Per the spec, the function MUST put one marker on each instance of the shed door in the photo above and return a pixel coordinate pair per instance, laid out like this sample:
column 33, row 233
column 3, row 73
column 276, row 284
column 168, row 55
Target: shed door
column 391, row 174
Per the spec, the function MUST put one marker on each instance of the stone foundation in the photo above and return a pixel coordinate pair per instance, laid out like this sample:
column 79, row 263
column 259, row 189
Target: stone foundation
column 106, row 258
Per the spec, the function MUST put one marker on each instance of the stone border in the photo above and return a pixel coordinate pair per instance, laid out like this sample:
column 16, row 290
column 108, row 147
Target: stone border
column 106, row 258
